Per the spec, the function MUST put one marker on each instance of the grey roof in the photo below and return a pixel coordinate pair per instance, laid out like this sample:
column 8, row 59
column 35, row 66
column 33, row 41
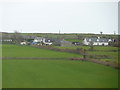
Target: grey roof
column 39, row 38
column 91, row 39
column 97, row 39
column 103, row 40
column 63, row 41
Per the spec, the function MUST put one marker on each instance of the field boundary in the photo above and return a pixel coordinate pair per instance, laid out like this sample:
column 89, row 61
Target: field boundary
column 36, row 58
column 106, row 63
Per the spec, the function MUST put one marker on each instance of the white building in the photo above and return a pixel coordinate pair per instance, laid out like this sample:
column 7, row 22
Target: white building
column 48, row 43
column 41, row 41
column 23, row 43
column 96, row 41
column 6, row 40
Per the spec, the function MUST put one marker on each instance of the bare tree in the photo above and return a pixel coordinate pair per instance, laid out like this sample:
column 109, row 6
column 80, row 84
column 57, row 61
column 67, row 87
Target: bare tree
column 84, row 53
column 17, row 37
column 91, row 45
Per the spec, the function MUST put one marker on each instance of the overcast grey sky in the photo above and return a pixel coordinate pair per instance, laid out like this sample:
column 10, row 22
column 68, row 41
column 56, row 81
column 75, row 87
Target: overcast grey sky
column 68, row 16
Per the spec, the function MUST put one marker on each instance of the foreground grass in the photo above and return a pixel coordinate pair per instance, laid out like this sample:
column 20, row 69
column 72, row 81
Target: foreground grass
column 28, row 51
column 57, row 74
column 53, row 73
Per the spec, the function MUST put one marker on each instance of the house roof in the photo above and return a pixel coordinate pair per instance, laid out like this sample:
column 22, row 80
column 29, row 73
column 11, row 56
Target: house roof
column 97, row 39
column 63, row 41
column 91, row 39
column 103, row 40
column 39, row 38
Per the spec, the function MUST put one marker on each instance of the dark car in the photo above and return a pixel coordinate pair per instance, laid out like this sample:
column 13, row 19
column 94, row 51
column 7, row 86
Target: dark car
column 76, row 43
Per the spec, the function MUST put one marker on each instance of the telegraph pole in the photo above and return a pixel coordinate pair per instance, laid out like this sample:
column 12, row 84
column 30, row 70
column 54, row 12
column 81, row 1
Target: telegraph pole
column 59, row 31
column 114, row 33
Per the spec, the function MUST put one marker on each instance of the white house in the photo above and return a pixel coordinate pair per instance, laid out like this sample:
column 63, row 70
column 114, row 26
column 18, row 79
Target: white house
column 41, row 41
column 23, row 43
column 48, row 43
column 96, row 41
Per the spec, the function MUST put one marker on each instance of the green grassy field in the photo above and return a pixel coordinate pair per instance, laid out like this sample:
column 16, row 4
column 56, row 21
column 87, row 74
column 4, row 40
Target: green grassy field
column 100, row 48
column 57, row 74
column 53, row 73
column 28, row 51
column 74, row 40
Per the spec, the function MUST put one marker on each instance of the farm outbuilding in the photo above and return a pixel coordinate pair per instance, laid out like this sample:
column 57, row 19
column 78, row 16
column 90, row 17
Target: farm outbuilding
column 65, row 43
